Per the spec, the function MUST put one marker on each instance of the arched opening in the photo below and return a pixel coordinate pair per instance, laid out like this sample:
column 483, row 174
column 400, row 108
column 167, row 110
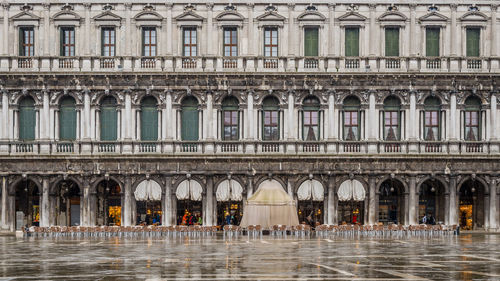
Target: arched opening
column 310, row 195
column 472, row 119
column 189, row 205
column 270, row 119
column 351, row 118
column 471, row 205
column 310, row 119
column 109, row 203
column 109, row 119
column 391, row 205
column 392, row 119
column 189, row 119
column 431, row 202
column 432, row 119
column 148, row 203
column 67, row 203
column 231, row 116
column 149, row 119
column 27, row 119
column 67, row 119
column 229, row 196
column 351, row 198
column 28, row 201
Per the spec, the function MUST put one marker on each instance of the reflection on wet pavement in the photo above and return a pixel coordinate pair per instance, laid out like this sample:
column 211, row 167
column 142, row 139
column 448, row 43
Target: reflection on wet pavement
column 467, row 257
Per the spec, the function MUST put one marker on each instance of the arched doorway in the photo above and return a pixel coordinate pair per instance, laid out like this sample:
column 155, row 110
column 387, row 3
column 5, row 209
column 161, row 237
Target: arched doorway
column 351, row 202
column 189, row 205
column 67, row 203
column 28, row 199
column 471, row 205
column 431, row 202
column 109, row 203
column 148, row 203
column 391, row 204
column 310, row 195
column 229, row 196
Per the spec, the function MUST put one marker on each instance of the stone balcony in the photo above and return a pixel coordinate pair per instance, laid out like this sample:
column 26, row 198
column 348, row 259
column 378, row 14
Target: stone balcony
column 250, row 64
column 329, row 148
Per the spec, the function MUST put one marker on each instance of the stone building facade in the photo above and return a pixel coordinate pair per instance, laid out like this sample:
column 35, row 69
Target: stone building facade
column 363, row 112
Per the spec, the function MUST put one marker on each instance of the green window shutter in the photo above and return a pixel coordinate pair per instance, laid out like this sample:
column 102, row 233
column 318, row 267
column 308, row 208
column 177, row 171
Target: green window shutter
column 392, row 42
column 432, row 42
column 61, row 42
column 102, row 41
column 311, row 42
column 27, row 119
column 109, row 118
column 472, row 43
column 189, row 126
column 143, row 37
column 21, row 42
column 352, row 42
column 149, row 120
column 67, row 120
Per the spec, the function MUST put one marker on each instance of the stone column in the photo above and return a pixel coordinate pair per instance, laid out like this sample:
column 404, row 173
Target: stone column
column 493, row 117
column 332, row 219
column 209, row 203
column 292, row 51
column 373, row 123
column 454, row 64
column 332, row 134
column 5, row 208
column 493, row 205
column 168, row 125
column 167, row 215
column 413, row 202
column 45, row 206
column 453, row 201
column 5, row 116
column 413, row 123
column 372, row 211
column 453, row 123
column 128, row 200
column 250, row 187
column 5, row 35
column 373, row 35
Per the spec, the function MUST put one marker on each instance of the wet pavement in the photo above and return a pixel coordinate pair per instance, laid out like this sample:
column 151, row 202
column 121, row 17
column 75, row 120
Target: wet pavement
column 467, row 257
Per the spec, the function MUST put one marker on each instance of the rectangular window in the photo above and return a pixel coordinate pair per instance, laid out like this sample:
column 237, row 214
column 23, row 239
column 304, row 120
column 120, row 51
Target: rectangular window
column 231, row 125
column 431, row 130
column 432, row 42
column 352, row 42
column 311, row 42
column 351, row 126
column 270, row 42
column 230, row 42
column 473, row 36
column 271, row 125
column 189, row 45
column 472, row 125
column 311, row 128
column 391, row 125
column 108, row 42
column 67, row 41
column 392, row 42
column 26, row 41
column 148, row 41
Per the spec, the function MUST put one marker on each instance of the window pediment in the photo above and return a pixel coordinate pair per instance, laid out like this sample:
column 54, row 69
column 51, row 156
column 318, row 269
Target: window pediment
column 271, row 18
column 189, row 18
column 311, row 16
column 392, row 16
column 474, row 16
column 25, row 18
column 230, row 18
column 352, row 18
column 107, row 18
column 66, row 18
column 148, row 18
column 433, row 17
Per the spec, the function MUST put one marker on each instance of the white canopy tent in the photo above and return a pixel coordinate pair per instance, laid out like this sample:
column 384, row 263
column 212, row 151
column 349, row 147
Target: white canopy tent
column 351, row 190
column 229, row 190
column 311, row 189
column 148, row 190
column 189, row 189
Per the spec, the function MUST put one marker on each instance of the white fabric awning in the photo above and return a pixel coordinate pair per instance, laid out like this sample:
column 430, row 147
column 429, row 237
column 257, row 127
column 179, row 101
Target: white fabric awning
column 229, row 190
column 148, row 190
column 351, row 190
column 311, row 189
column 189, row 189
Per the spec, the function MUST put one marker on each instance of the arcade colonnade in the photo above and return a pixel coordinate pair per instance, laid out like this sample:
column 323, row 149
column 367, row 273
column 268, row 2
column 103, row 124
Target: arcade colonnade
column 470, row 201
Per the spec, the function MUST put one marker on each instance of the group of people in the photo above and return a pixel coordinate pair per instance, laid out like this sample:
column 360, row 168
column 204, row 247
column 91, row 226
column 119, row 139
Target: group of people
column 190, row 219
column 428, row 219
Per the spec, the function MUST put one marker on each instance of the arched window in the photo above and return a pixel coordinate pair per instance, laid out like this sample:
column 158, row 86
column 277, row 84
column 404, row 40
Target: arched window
column 109, row 119
column 67, row 119
column 472, row 119
column 27, row 119
column 392, row 119
column 230, row 123
column 270, row 119
column 310, row 119
column 189, row 119
column 149, row 119
column 351, row 120
column 432, row 119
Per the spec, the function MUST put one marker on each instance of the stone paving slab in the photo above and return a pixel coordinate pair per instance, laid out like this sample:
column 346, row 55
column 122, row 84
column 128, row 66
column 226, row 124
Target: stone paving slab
column 467, row 257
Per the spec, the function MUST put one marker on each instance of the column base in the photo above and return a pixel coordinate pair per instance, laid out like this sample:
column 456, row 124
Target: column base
column 127, row 148
column 249, row 148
